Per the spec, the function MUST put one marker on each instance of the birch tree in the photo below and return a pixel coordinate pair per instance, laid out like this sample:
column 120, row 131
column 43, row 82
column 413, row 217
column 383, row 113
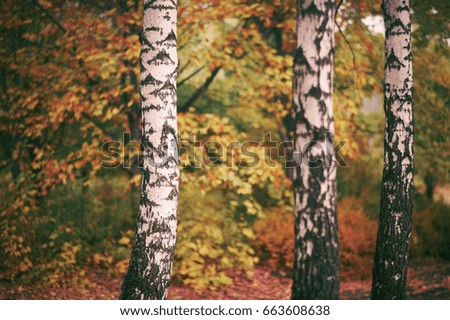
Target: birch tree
column 150, row 268
column 394, row 225
column 316, row 262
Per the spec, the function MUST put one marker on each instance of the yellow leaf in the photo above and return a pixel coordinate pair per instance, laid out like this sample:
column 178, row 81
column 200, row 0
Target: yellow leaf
column 125, row 241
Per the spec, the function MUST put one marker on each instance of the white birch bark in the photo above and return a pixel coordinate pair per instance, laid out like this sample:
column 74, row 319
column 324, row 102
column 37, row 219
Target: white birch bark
column 316, row 262
column 149, row 273
column 395, row 220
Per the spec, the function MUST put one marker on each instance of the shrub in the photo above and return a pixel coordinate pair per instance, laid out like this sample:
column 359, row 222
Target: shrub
column 56, row 238
column 357, row 236
column 275, row 239
column 212, row 238
column 431, row 227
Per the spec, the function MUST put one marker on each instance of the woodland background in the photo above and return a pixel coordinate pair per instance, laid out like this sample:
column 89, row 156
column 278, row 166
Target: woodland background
column 68, row 84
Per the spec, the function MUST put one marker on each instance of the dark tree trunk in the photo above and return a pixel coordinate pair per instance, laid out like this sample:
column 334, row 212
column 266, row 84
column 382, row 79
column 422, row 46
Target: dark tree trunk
column 430, row 183
column 134, row 119
column 149, row 272
column 395, row 220
column 316, row 262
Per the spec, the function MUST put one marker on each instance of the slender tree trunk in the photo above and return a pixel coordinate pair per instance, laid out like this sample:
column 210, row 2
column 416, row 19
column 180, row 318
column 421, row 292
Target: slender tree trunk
column 430, row 184
column 316, row 262
column 133, row 121
column 148, row 275
column 394, row 225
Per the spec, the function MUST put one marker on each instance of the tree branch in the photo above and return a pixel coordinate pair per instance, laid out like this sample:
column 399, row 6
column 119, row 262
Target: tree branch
column 337, row 9
column 200, row 91
column 344, row 37
column 190, row 76
column 355, row 67
column 48, row 14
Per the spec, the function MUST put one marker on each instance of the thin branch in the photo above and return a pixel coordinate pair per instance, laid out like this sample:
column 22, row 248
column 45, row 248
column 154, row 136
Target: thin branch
column 200, row 91
column 344, row 37
column 348, row 44
column 181, row 69
column 48, row 14
column 355, row 64
column 208, row 81
column 337, row 9
column 190, row 76
column 342, row 33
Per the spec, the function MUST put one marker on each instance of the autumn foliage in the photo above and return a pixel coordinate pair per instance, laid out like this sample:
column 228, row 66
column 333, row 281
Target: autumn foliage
column 275, row 240
column 357, row 235
column 69, row 75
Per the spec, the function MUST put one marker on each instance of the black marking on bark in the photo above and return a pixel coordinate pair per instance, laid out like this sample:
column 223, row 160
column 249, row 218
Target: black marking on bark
column 149, row 79
column 170, row 40
column 153, row 28
column 402, row 8
column 311, row 10
column 151, row 286
column 173, row 74
column 148, row 145
column 171, row 115
column 167, row 90
column 149, row 3
column 146, row 45
column 316, row 263
column 168, row 130
column 322, row 29
column 158, row 7
column 392, row 61
column 141, row 65
column 161, row 58
column 146, row 176
column 153, row 4
column 325, row 60
column 396, row 27
column 300, row 59
column 314, row 92
column 152, row 107
column 143, row 98
column 395, row 219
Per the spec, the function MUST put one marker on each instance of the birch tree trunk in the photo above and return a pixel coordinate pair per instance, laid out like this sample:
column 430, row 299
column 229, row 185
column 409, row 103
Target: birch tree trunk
column 316, row 262
column 150, row 268
column 395, row 220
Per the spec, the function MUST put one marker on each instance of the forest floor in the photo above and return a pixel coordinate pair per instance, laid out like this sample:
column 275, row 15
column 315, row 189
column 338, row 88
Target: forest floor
column 427, row 279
